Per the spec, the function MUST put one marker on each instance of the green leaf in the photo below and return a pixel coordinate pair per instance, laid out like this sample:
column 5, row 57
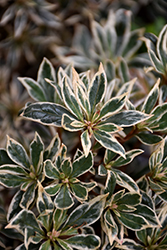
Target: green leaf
column 33, row 88
column 68, row 123
column 130, row 155
column 110, row 227
column 53, row 189
column 64, row 199
column 108, row 127
column 130, row 199
column 149, row 138
column 109, row 155
column 151, row 99
column 112, row 106
column 97, row 88
column 87, row 213
column 148, row 214
column 46, row 113
column 4, row 158
column 70, row 100
column 129, row 244
column 86, row 142
column 46, row 246
column 102, row 170
column 25, row 219
column 66, row 167
column 13, row 169
column 36, row 153
column 127, row 118
column 82, row 165
column 81, row 93
column 28, row 196
column 157, row 156
column 89, row 242
column 156, row 62
column 59, row 218
column 46, row 70
column 10, row 180
column 14, row 207
column 125, row 181
column 44, row 202
column 123, row 70
column 17, row 153
column 110, row 184
column 63, row 245
column 161, row 46
column 109, row 142
column 52, row 150
column 79, row 191
column 51, row 170
column 132, row 221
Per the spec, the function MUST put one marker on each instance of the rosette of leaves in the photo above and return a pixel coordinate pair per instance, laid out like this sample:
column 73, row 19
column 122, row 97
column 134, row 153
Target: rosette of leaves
column 150, row 131
column 58, row 229
column 149, row 238
column 157, row 50
column 124, row 210
column 65, row 182
column 83, row 110
column 156, row 179
column 109, row 41
column 17, row 169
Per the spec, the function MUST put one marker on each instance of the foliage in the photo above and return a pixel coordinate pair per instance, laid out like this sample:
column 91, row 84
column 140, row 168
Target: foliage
column 90, row 169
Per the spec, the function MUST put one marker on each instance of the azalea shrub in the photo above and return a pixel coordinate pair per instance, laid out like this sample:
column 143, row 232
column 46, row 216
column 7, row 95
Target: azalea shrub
column 100, row 182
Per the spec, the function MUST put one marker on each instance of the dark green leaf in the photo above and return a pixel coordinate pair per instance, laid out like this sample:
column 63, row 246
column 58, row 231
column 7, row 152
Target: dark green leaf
column 46, row 113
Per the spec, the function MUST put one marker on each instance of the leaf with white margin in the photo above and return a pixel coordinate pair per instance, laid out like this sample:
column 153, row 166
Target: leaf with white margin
column 17, row 153
column 87, row 242
column 87, row 213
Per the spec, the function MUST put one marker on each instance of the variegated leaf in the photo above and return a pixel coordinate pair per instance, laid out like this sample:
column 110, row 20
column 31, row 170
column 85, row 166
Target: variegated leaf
column 151, row 99
column 44, row 202
column 89, row 242
column 36, row 153
column 156, row 62
column 86, row 213
column 46, row 113
column 82, row 165
column 156, row 156
column 28, row 196
column 66, row 167
column 51, row 170
column 125, row 181
column 109, row 142
column 70, row 100
column 97, row 88
column 33, row 88
column 4, row 158
column 110, row 184
column 52, row 150
column 149, row 138
column 70, row 124
column 86, row 142
column 46, row 70
column 128, row 118
column 17, row 153
column 130, row 155
column 79, row 191
column 112, row 106
column 64, row 199
column 148, row 214
column 14, row 207
column 161, row 46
